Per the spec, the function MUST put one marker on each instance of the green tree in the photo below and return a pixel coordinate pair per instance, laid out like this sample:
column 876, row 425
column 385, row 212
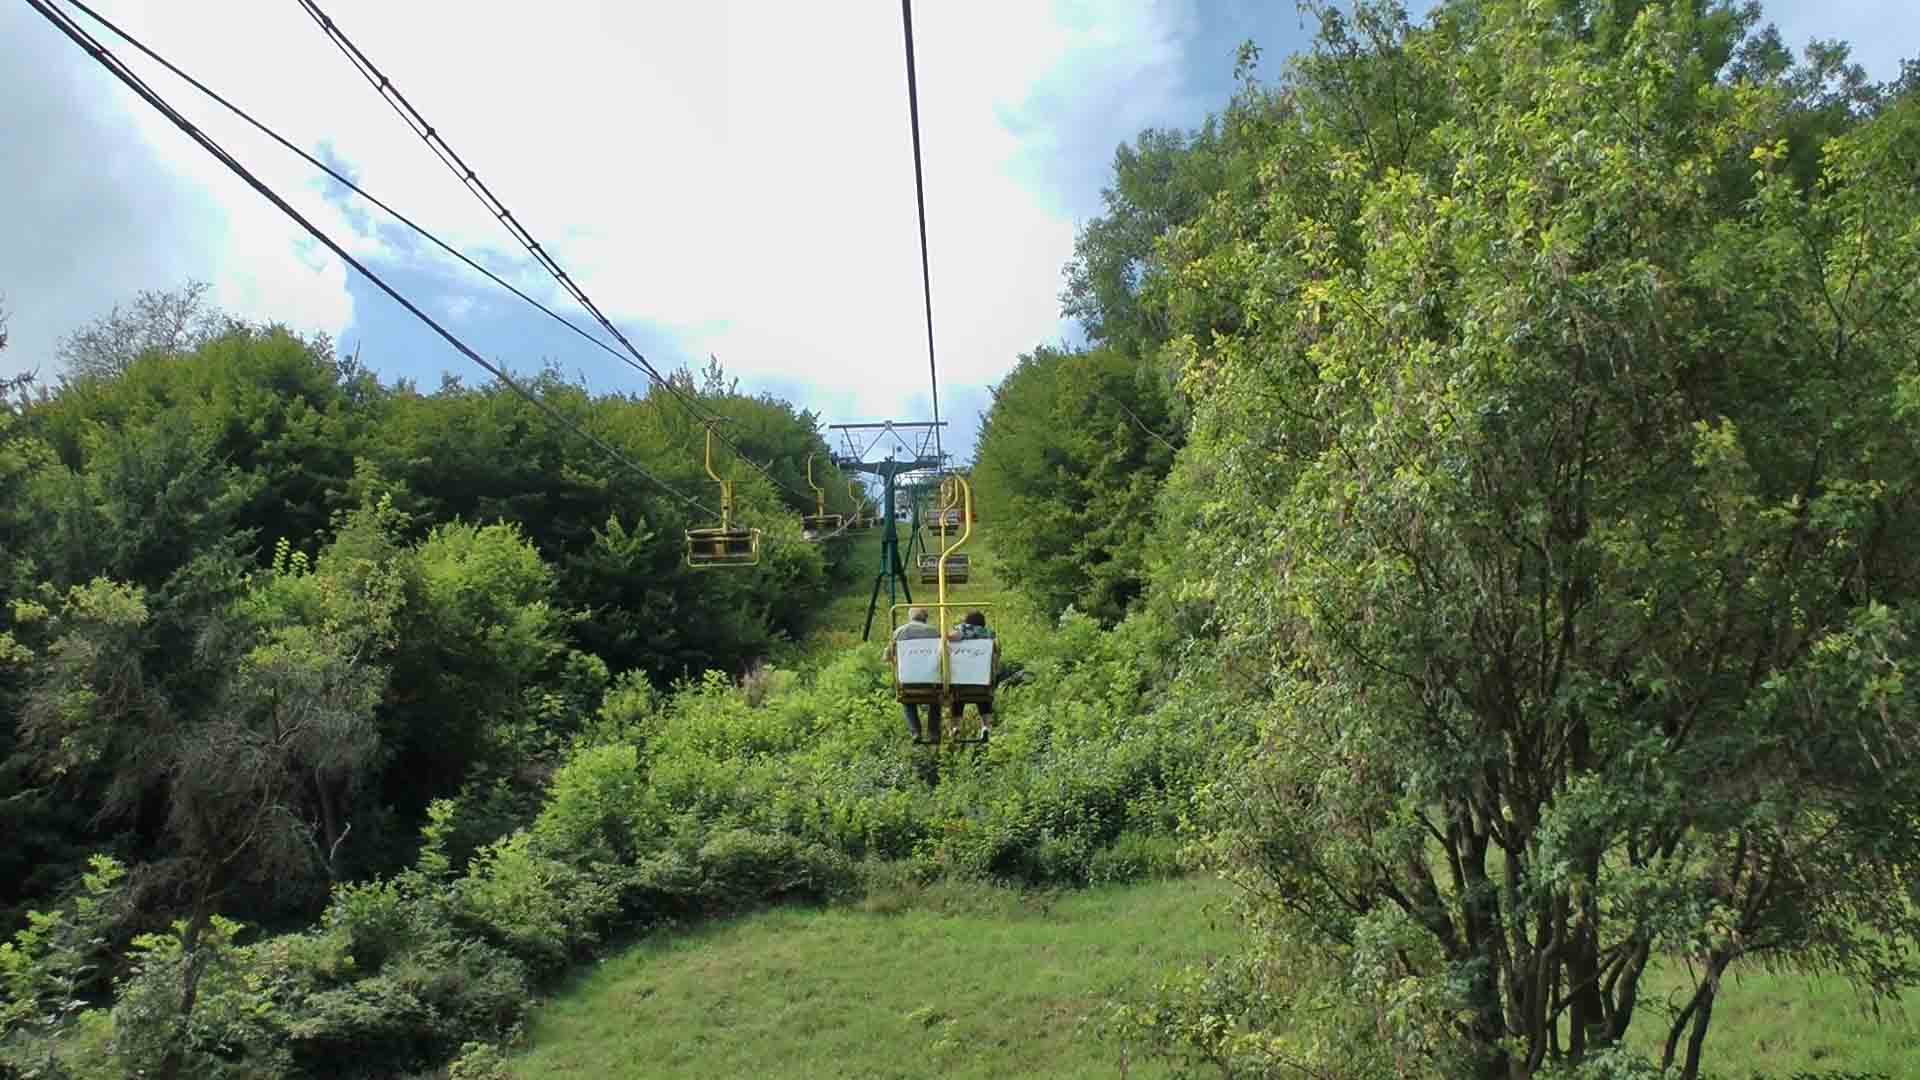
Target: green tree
column 1562, row 465
column 1161, row 180
column 1070, row 457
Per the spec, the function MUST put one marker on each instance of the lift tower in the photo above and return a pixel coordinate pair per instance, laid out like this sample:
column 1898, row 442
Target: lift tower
column 924, row 460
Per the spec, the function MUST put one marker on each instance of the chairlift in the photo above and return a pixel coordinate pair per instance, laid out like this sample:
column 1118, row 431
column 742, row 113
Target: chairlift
column 935, row 671
column 946, row 517
column 722, row 544
column 939, row 674
column 820, row 525
column 958, row 567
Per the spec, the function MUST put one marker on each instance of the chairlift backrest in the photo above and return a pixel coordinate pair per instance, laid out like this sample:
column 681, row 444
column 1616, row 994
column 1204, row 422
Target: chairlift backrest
column 917, row 660
column 969, row 661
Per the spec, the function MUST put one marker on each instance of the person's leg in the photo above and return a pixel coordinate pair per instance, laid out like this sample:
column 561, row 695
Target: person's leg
column 913, row 718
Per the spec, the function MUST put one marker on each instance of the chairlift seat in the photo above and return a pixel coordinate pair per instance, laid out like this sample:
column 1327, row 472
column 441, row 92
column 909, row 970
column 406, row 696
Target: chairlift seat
column 957, row 567
column 970, row 666
column 723, row 547
column 821, row 526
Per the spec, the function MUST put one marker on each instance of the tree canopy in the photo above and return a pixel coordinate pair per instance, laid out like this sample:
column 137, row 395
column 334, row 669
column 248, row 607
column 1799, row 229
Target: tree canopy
column 1070, row 458
column 228, row 546
column 1557, row 455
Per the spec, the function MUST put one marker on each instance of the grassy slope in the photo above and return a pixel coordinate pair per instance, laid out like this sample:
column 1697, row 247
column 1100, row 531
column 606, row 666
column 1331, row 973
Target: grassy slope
column 974, row 982
column 1781, row 1024
column 994, row 985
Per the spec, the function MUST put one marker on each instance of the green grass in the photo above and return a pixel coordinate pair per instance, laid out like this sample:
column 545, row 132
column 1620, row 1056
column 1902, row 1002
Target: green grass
column 1777, row 1024
column 966, row 981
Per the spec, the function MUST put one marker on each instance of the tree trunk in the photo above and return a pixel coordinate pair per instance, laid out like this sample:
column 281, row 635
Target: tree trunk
column 1480, row 919
column 1698, row 1013
column 193, row 965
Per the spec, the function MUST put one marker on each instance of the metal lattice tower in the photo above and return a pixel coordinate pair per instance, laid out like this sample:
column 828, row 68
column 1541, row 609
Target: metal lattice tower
column 925, row 459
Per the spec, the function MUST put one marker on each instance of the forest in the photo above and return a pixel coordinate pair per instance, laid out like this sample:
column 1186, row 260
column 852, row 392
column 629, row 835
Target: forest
column 1482, row 524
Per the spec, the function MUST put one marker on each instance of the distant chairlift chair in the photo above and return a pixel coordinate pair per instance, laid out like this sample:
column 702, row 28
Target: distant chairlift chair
column 947, row 517
column 722, row 545
column 957, row 568
column 820, row 525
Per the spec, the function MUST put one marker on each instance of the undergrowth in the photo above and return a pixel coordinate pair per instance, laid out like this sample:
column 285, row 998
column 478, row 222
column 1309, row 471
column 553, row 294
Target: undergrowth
column 667, row 809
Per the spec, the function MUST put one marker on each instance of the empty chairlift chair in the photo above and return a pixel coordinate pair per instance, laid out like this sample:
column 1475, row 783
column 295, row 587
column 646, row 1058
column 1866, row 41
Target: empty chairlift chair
column 723, row 547
column 722, row 544
column 820, row 525
column 945, row 520
column 957, row 568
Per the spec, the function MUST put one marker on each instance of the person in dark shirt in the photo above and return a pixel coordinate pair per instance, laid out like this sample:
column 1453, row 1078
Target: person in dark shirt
column 974, row 628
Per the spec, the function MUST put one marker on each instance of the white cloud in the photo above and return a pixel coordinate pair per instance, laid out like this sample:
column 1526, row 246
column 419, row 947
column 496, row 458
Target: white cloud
column 110, row 199
column 737, row 173
column 459, row 305
column 740, row 174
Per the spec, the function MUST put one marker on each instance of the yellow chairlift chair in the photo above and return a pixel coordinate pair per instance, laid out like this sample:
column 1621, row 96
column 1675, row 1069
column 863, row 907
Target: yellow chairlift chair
column 948, row 516
column 722, row 544
column 820, row 525
column 939, row 673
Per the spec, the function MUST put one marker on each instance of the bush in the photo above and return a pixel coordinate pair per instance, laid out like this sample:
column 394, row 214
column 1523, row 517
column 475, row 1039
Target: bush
column 227, row 1033
column 1133, row 857
column 741, row 868
column 714, row 799
column 479, row 1061
column 592, row 812
column 543, row 911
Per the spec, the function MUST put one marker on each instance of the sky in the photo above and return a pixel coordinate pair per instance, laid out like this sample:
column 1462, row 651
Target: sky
column 730, row 178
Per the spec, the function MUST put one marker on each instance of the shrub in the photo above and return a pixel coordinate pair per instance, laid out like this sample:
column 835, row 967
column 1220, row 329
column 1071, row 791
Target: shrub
column 592, row 807
column 479, row 1061
column 1134, row 856
column 542, row 910
column 226, row 1031
column 741, row 868
column 413, row 1013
